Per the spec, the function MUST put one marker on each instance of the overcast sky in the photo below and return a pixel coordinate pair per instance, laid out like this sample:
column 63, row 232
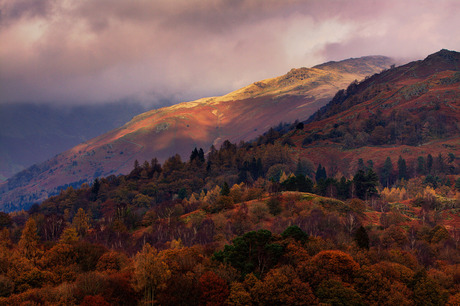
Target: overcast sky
column 95, row 51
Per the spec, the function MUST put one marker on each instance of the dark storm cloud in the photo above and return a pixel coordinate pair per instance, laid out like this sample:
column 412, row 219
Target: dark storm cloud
column 102, row 50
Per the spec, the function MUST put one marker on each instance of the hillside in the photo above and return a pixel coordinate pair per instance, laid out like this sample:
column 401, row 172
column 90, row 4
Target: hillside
column 254, row 242
column 408, row 111
column 240, row 115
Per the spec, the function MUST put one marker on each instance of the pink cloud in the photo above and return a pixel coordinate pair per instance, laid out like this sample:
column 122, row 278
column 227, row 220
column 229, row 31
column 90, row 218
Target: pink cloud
column 97, row 51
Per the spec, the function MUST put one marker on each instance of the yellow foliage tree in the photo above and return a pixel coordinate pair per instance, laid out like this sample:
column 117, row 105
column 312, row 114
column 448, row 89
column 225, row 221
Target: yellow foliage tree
column 151, row 273
column 69, row 236
column 28, row 244
column 81, row 222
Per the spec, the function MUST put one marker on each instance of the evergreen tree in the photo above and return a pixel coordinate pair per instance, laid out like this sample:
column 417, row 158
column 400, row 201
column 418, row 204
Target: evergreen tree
column 370, row 164
column 372, row 181
column 155, row 167
column 343, row 188
column 201, row 155
column 95, row 190
column 362, row 238
column 302, row 168
column 320, row 173
column 359, row 181
column 386, row 172
column 225, row 190
column 429, row 163
column 135, row 173
column 440, row 163
column 361, row 165
column 421, row 165
column 365, row 184
column 402, row 168
column 194, row 154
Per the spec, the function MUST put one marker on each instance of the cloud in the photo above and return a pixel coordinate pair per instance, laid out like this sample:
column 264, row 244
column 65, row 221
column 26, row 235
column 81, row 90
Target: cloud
column 94, row 51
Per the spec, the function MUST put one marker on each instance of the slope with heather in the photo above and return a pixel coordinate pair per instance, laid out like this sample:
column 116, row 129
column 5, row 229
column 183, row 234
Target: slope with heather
column 410, row 111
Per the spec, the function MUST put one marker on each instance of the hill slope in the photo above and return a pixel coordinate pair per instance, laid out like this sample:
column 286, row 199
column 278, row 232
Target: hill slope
column 412, row 110
column 240, row 115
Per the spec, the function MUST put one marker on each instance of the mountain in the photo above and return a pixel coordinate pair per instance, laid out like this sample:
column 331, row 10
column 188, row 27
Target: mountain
column 32, row 133
column 412, row 110
column 240, row 115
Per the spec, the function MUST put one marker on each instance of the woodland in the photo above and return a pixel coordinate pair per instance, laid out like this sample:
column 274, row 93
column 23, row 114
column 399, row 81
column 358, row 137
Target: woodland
column 245, row 224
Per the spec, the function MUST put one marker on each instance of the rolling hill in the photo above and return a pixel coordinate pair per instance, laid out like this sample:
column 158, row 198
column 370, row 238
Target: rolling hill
column 240, row 115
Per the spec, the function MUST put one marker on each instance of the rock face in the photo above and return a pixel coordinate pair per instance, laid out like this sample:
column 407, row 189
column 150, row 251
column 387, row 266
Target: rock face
column 240, row 115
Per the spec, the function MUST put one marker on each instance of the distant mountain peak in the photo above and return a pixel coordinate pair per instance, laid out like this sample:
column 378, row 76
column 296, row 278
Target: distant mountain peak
column 444, row 55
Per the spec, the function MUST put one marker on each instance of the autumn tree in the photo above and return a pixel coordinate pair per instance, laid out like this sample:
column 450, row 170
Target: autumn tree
column 69, row 236
column 282, row 286
column 239, row 296
column 151, row 273
column 214, row 289
column 333, row 263
column 28, row 244
column 333, row 292
column 81, row 222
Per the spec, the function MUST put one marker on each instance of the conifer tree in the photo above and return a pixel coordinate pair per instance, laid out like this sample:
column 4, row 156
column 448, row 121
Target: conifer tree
column 402, row 168
column 429, row 163
column 362, row 238
column 225, row 190
column 385, row 173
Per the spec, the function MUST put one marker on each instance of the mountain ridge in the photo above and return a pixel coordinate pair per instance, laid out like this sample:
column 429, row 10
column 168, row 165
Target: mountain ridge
column 240, row 115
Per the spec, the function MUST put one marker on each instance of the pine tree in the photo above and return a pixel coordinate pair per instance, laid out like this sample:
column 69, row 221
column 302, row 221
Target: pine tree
column 361, row 165
column 95, row 190
column 421, row 165
column 225, row 190
column 386, row 172
column 194, row 154
column 429, row 163
column 402, row 168
column 201, row 155
column 320, row 173
column 362, row 238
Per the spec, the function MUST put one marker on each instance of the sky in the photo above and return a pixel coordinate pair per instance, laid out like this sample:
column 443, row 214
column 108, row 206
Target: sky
column 168, row 51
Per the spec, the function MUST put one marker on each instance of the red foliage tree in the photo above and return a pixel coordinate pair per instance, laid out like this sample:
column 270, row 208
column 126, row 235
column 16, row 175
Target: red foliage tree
column 214, row 290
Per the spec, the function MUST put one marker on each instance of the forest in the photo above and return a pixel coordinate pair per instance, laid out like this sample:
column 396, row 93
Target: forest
column 244, row 224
